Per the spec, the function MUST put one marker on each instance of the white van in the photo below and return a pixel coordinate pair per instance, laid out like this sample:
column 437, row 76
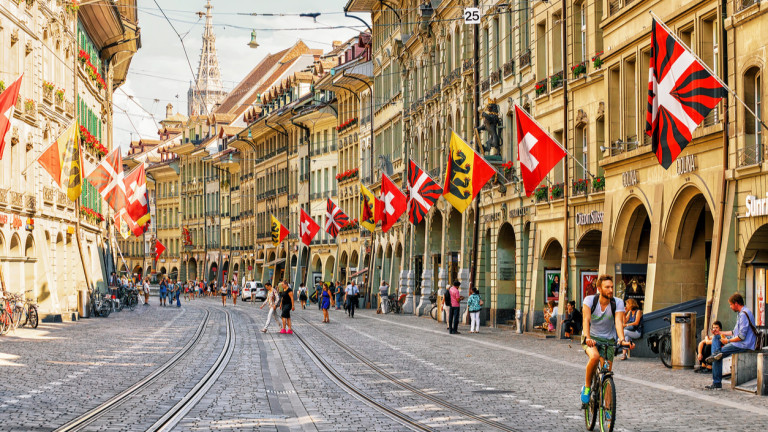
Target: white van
column 253, row 290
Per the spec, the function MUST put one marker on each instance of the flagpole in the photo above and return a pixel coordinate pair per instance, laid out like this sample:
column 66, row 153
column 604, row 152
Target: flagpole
column 563, row 293
column 707, row 68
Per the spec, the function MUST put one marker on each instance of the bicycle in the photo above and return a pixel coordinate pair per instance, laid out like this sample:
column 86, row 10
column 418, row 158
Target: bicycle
column 661, row 344
column 6, row 315
column 395, row 306
column 433, row 310
column 27, row 310
column 603, row 398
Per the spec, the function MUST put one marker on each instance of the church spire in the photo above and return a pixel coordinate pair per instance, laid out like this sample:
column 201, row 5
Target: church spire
column 207, row 90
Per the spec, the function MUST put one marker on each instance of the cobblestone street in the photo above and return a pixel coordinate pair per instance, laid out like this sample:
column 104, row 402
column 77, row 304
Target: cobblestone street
column 407, row 365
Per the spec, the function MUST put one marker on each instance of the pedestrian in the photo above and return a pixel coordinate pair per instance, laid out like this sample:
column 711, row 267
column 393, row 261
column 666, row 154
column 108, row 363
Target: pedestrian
column 331, row 290
column 178, row 293
column 455, row 301
column 145, row 287
column 474, row 305
column 573, row 320
column 446, row 306
column 303, row 295
column 704, row 349
column 319, row 293
column 633, row 324
column 163, row 291
column 223, row 294
column 186, row 291
column 339, row 296
column 287, row 307
column 273, row 301
column 326, row 303
column 235, row 292
column 351, row 299
column 743, row 338
column 384, row 296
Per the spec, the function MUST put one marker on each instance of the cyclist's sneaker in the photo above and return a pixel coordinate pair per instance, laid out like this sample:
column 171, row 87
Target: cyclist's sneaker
column 607, row 416
column 585, row 393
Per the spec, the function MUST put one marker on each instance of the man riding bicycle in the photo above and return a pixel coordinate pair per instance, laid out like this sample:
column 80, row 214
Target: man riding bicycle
column 604, row 324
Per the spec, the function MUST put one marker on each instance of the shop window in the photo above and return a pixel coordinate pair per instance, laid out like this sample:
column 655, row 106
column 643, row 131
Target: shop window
column 580, row 152
column 496, row 45
column 598, row 19
column 557, row 171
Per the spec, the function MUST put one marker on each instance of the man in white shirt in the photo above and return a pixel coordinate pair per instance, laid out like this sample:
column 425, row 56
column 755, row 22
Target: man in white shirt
column 351, row 298
column 384, row 295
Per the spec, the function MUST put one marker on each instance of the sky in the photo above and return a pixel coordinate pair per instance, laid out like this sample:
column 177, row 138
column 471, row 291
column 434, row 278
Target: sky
column 160, row 74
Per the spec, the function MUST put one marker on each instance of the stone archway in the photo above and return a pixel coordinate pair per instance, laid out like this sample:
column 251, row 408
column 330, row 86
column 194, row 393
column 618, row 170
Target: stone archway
column 419, row 253
column 682, row 264
column 752, row 277
column 631, row 246
column 375, row 281
column 434, row 248
column 343, row 266
column 452, row 261
column 549, row 264
column 328, row 273
column 225, row 271
column 397, row 260
column 386, row 267
column 29, row 266
column 268, row 270
column 174, row 274
column 213, row 271
column 506, row 265
column 192, row 268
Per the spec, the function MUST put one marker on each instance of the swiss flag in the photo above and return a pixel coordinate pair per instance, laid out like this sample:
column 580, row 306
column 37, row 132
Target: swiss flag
column 537, row 152
column 308, row 228
column 137, row 203
column 393, row 203
column 159, row 249
column 7, row 103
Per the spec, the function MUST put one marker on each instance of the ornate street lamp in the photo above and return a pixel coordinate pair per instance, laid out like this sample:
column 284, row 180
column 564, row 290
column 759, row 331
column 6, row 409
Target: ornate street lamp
column 253, row 43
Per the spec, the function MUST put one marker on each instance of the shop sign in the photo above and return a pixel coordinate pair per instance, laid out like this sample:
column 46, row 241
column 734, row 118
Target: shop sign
column 756, row 206
column 519, row 212
column 595, row 217
column 15, row 220
column 491, row 217
column 629, row 178
column 686, row 164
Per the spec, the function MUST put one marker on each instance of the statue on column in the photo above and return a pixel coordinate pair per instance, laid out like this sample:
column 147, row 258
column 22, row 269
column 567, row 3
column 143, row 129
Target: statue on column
column 492, row 124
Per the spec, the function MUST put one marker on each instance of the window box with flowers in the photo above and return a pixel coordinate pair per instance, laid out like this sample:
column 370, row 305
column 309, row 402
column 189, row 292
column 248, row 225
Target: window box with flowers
column 348, row 175
column 29, row 106
column 508, row 168
column 2, row 86
column 541, row 193
column 91, row 215
column 597, row 61
column 59, row 97
column 353, row 225
column 91, row 143
column 579, row 187
column 347, row 125
column 579, row 69
column 72, row 6
column 598, row 184
column 90, row 70
column 541, row 87
column 556, row 80
column 48, row 91
column 556, row 191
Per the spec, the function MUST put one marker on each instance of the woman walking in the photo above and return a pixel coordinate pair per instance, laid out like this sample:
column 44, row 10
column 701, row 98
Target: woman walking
column 303, row 295
column 272, row 301
column 163, row 291
column 235, row 292
column 326, row 303
column 287, row 305
column 145, row 288
column 474, row 304
column 223, row 294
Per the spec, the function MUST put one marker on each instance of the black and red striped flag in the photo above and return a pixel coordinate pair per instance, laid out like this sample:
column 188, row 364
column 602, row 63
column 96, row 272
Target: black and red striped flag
column 423, row 193
column 681, row 93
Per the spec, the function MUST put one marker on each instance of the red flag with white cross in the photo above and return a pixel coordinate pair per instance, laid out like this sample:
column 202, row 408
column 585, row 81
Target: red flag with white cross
column 108, row 178
column 537, row 152
column 159, row 249
column 7, row 103
column 393, row 203
column 308, row 228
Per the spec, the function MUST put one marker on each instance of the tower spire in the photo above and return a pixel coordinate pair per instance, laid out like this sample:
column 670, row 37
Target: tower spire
column 206, row 91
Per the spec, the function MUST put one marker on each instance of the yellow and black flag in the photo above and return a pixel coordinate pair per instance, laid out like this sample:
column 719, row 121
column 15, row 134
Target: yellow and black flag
column 72, row 171
column 279, row 232
column 467, row 172
column 367, row 209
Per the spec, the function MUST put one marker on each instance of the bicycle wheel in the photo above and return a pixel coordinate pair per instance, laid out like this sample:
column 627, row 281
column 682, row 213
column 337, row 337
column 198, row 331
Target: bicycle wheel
column 665, row 350
column 608, row 405
column 32, row 318
column 105, row 310
column 5, row 322
column 591, row 408
column 433, row 313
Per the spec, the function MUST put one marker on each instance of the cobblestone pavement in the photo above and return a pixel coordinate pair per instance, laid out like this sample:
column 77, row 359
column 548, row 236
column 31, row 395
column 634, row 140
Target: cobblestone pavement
column 59, row 371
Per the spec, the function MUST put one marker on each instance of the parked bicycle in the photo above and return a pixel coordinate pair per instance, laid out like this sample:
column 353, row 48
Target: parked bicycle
column 602, row 401
column 395, row 304
column 433, row 309
column 100, row 307
column 661, row 344
column 17, row 312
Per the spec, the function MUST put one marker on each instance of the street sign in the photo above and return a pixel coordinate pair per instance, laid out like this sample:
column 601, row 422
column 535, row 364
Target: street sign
column 471, row 15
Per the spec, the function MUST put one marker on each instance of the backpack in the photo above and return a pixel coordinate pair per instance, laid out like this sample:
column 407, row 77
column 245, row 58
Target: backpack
column 596, row 301
column 758, row 336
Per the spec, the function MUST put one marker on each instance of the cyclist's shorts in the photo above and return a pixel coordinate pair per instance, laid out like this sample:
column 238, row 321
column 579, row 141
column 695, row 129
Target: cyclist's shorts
column 606, row 352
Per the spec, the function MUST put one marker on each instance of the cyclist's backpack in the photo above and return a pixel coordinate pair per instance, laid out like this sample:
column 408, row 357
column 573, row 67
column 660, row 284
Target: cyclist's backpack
column 596, row 301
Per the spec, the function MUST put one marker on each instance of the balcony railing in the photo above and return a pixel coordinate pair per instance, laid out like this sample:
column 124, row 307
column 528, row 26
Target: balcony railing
column 525, row 59
column 495, row 77
column 743, row 4
column 752, row 154
column 485, row 85
column 508, row 68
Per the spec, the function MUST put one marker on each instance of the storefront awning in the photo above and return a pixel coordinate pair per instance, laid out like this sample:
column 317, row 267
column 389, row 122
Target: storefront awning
column 356, row 274
column 275, row 262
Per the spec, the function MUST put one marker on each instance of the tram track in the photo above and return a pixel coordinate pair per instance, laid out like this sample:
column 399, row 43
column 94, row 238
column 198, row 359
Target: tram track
column 390, row 377
column 176, row 413
column 352, row 389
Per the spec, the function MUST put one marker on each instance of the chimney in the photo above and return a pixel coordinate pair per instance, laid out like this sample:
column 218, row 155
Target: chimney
column 336, row 44
column 168, row 110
